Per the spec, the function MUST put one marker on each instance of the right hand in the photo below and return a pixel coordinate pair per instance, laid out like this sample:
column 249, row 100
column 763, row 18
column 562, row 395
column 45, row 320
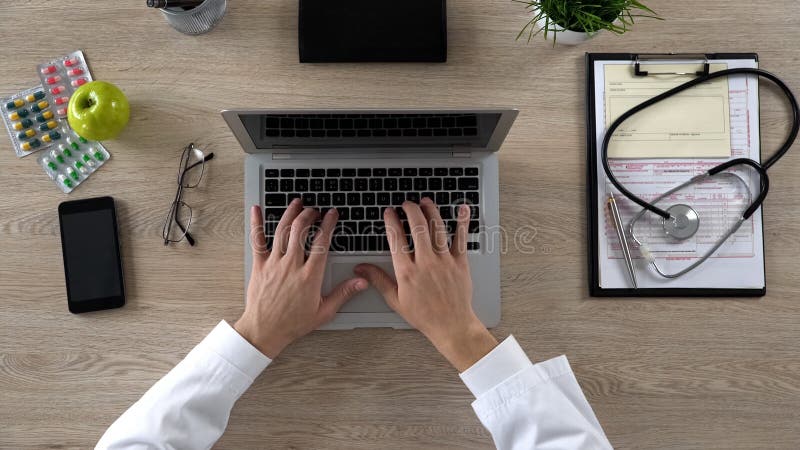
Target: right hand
column 433, row 291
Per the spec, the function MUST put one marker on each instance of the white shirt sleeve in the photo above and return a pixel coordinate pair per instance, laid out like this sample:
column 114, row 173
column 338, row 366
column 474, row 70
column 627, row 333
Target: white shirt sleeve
column 190, row 406
column 532, row 406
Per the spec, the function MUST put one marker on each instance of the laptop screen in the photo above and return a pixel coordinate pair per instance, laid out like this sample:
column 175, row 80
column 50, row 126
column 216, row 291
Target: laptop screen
column 423, row 129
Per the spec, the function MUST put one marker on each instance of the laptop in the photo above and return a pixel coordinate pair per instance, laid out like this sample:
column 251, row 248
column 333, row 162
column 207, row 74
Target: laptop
column 363, row 161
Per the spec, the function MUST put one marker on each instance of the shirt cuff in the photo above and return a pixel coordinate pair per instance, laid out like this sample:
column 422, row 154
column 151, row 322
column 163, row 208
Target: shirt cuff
column 503, row 362
column 231, row 346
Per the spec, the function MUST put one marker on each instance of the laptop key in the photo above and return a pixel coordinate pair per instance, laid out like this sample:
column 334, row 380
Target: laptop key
column 318, row 173
column 373, row 213
column 406, row 184
column 426, row 172
column 324, row 199
column 473, row 245
column 339, row 199
column 412, row 197
column 333, row 172
column 376, row 184
column 456, row 171
column 390, row 184
column 271, row 173
column 450, row 184
column 317, row 184
column 275, row 200
column 309, row 199
column 273, row 213
column 410, row 172
column 301, row 185
column 468, row 184
column 379, row 172
column 384, row 198
column 420, row 184
column 368, row 198
column 292, row 196
column 395, row 172
column 442, row 198
column 345, row 185
column 435, row 184
column 471, row 172
column 398, row 198
column 440, row 171
column 361, row 184
column 344, row 213
column 357, row 213
column 271, row 185
column 331, row 184
column 287, row 185
column 348, row 172
column 364, row 172
column 473, row 198
column 473, row 226
column 287, row 172
column 354, row 199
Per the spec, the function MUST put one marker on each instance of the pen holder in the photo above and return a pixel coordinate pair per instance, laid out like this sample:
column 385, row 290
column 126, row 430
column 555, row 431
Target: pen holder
column 198, row 20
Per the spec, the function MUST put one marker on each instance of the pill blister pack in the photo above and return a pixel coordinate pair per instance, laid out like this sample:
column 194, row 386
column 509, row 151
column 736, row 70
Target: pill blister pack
column 71, row 161
column 30, row 121
column 61, row 77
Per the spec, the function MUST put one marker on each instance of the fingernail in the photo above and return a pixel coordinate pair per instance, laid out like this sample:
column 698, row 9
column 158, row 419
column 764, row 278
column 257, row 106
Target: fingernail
column 360, row 284
column 332, row 211
column 295, row 201
column 358, row 270
column 463, row 210
column 254, row 208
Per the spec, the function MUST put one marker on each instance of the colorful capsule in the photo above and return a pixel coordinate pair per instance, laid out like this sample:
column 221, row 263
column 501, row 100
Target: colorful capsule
column 22, row 124
column 67, row 182
column 78, row 82
column 72, row 173
column 45, row 116
column 71, row 62
column 82, row 139
column 88, row 160
column 26, row 134
column 38, row 95
column 16, row 103
column 82, row 167
column 61, row 111
column 19, row 114
column 67, row 152
column 58, row 89
column 52, row 136
column 49, row 164
column 40, row 106
column 48, row 126
column 47, row 70
column 62, row 100
column 75, row 72
column 53, row 80
column 57, row 156
column 30, row 145
column 98, row 156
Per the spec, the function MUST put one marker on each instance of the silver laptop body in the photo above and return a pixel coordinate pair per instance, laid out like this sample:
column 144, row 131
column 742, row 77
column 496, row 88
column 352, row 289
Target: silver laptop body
column 292, row 139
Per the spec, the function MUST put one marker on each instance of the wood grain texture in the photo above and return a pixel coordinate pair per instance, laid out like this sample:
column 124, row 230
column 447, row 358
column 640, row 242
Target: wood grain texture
column 667, row 373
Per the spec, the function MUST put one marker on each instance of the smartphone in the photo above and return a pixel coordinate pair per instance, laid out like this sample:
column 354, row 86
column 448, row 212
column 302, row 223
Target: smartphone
column 90, row 245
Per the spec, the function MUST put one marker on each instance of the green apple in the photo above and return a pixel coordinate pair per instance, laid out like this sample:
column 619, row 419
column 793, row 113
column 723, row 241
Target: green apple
column 98, row 111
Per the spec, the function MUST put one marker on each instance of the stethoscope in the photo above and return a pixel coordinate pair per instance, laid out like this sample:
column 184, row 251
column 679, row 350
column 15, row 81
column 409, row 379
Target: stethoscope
column 680, row 221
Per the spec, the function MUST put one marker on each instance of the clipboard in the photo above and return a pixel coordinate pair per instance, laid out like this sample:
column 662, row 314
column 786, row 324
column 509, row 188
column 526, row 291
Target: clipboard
column 640, row 62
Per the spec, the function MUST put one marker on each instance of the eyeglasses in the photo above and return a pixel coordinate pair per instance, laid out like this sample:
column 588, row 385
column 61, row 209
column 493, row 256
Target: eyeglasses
column 179, row 217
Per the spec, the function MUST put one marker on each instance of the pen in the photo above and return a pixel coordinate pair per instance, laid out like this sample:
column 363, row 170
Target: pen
column 173, row 3
column 626, row 251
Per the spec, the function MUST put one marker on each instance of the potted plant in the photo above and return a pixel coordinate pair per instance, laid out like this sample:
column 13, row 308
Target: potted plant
column 574, row 21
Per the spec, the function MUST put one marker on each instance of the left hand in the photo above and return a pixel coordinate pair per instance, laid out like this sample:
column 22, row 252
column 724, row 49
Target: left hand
column 284, row 300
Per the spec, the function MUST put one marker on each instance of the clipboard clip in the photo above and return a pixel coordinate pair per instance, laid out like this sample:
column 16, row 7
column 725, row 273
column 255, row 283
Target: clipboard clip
column 670, row 56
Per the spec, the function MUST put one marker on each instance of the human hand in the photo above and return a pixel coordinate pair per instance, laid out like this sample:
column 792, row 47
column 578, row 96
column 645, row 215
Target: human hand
column 284, row 301
column 433, row 291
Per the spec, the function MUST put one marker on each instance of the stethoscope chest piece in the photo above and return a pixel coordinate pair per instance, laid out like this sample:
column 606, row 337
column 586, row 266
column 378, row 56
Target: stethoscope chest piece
column 683, row 222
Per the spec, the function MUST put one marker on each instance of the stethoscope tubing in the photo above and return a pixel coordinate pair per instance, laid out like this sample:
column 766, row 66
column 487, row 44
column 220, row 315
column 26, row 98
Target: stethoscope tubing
column 761, row 169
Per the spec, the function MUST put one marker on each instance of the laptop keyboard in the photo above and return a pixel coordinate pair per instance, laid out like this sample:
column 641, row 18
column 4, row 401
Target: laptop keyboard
column 362, row 194
column 370, row 125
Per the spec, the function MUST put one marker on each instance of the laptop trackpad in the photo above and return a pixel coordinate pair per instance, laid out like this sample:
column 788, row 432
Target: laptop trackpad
column 369, row 301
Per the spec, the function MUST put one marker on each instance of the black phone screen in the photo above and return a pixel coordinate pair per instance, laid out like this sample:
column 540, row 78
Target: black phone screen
column 373, row 30
column 90, row 244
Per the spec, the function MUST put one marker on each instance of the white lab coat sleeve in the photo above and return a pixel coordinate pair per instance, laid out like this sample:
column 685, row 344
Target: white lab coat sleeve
column 190, row 406
column 531, row 406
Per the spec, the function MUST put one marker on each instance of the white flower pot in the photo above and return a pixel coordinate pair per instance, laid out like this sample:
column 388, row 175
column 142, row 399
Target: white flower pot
column 562, row 35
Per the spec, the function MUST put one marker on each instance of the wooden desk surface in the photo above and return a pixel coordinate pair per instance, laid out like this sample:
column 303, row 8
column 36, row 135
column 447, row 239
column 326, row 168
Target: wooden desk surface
column 662, row 373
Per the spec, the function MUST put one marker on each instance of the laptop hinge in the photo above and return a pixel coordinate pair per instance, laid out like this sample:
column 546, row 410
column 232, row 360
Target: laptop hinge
column 281, row 156
column 462, row 154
